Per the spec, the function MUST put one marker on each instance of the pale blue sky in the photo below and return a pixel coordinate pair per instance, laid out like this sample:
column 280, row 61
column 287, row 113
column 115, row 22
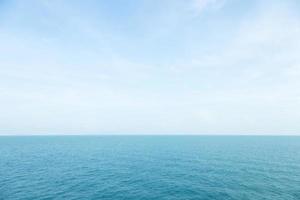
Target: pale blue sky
column 150, row 67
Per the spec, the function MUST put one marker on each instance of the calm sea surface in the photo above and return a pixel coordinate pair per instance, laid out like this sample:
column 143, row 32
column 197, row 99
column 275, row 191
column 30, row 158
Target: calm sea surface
column 150, row 167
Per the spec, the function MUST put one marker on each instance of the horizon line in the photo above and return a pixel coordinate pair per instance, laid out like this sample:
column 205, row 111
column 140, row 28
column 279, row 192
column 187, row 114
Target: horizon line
column 153, row 134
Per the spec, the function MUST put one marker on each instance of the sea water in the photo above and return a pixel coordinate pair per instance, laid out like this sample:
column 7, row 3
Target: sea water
column 149, row 167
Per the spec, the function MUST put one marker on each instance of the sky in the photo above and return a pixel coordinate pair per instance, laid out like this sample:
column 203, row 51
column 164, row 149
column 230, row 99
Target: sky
column 150, row 67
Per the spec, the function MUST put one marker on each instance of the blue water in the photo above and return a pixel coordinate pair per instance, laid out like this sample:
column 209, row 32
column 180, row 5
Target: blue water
column 150, row 167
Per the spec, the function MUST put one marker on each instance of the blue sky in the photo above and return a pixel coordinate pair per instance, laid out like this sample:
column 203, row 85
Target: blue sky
column 150, row 67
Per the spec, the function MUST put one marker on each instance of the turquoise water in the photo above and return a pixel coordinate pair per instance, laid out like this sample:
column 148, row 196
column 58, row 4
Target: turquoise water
column 150, row 167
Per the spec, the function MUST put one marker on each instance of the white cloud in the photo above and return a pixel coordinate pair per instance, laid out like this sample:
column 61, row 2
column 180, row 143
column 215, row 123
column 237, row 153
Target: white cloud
column 266, row 46
column 200, row 5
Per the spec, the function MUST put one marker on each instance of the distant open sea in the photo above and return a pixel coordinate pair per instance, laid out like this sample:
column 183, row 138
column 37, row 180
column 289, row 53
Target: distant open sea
column 150, row 167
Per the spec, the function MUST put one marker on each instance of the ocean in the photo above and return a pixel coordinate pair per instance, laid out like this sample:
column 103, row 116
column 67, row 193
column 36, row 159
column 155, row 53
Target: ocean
column 150, row 167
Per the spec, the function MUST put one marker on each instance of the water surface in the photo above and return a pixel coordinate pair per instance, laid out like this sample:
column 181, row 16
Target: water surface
column 149, row 167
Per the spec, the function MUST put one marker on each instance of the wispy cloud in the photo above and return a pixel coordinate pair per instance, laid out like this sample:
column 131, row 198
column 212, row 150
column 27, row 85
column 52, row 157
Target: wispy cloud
column 201, row 5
